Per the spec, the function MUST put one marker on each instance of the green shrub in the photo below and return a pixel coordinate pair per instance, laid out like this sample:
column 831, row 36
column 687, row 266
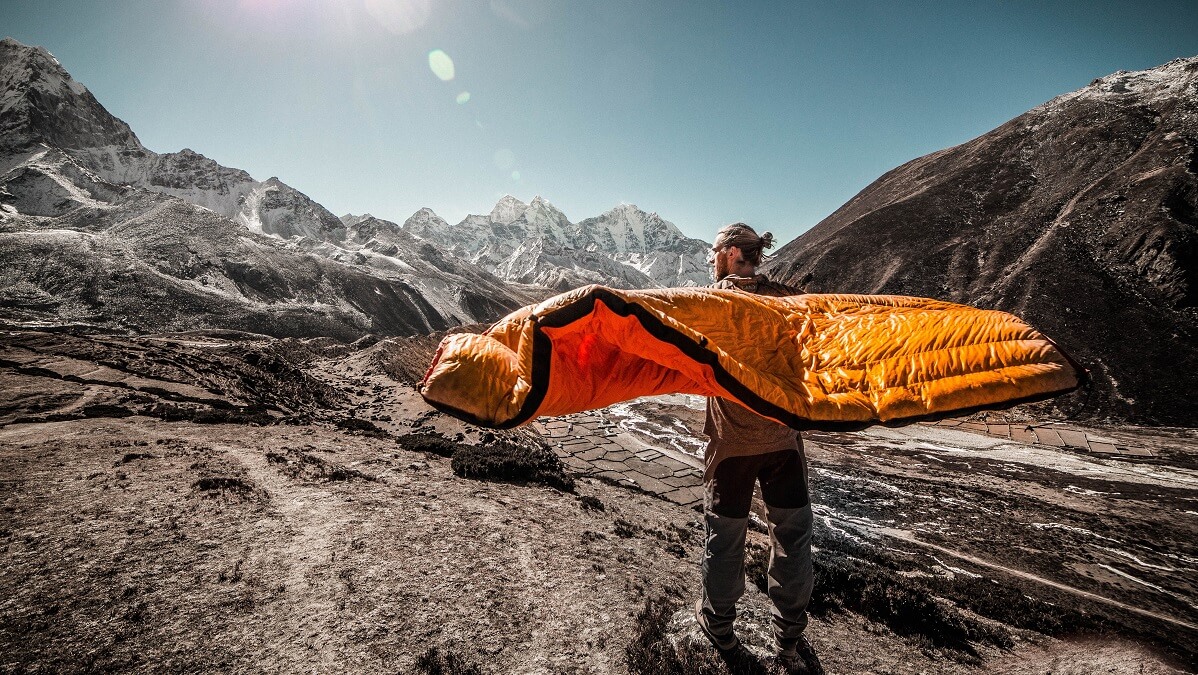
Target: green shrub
column 757, row 563
column 905, row 606
column 361, row 426
column 1011, row 605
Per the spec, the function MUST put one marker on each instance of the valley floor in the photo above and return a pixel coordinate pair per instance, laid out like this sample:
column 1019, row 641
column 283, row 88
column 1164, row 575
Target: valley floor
column 293, row 540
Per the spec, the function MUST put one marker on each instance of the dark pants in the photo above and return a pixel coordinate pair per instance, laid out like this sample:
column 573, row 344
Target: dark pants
column 728, row 498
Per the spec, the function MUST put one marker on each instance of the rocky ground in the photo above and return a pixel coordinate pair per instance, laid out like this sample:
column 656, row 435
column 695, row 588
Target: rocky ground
column 224, row 501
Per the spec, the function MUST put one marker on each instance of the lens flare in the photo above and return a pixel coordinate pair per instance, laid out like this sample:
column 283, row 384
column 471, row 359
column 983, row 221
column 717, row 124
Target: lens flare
column 441, row 65
column 463, row 98
column 515, row 175
column 400, row 16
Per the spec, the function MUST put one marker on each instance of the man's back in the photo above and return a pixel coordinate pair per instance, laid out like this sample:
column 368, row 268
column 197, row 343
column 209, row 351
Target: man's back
column 733, row 429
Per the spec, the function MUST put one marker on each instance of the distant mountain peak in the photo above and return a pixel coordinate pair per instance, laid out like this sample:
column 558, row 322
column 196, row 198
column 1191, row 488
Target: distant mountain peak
column 349, row 219
column 507, row 210
column 35, row 90
column 31, row 55
column 542, row 203
column 627, row 211
column 427, row 225
column 425, row 215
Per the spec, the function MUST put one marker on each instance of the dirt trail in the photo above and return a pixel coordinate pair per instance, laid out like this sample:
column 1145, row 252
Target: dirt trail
column 310, row 517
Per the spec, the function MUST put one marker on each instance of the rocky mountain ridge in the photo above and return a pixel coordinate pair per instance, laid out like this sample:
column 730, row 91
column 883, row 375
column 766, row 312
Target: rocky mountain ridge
column 62, row 151
column 535, row 243
column 1078, row 215
column 43, row 105
column 97, row 229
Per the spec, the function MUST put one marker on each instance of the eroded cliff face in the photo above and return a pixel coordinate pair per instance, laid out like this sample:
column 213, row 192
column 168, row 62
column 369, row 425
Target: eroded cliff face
column 1078, row 215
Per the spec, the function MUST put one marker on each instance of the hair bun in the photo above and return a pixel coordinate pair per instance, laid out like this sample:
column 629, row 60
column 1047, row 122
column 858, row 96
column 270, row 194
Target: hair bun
column 767, row 240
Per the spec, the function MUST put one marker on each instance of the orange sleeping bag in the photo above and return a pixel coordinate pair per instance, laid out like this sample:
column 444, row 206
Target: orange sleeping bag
column 808, row 361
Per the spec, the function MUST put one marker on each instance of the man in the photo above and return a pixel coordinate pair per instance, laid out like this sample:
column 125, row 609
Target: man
column 746, row 448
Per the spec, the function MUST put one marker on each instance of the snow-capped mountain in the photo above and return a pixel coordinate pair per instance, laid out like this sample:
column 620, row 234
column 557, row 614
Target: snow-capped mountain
column 651, row 245
column 96, row 228
column 42, row 104
column 527, row 243
column 536, row 243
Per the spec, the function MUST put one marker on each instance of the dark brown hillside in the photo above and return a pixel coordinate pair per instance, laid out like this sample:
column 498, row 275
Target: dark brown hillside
column 1078, row 216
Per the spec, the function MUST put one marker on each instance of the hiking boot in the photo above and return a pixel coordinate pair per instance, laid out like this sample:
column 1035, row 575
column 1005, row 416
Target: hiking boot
column 798, row 657
column 724, row 643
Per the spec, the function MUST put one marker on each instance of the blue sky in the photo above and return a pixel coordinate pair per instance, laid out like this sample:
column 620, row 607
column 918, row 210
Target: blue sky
column 774, row 113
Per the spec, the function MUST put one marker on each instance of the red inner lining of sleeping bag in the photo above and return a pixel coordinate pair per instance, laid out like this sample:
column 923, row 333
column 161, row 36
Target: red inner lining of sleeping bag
column 605, row 358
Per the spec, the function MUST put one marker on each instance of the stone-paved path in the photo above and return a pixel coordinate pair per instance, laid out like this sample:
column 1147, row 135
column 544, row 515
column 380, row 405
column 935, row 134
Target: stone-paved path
column 1055, row 435
column 591, row 445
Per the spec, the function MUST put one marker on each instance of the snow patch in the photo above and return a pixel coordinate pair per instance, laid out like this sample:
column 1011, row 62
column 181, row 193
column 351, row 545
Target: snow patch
column 1070, row 528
